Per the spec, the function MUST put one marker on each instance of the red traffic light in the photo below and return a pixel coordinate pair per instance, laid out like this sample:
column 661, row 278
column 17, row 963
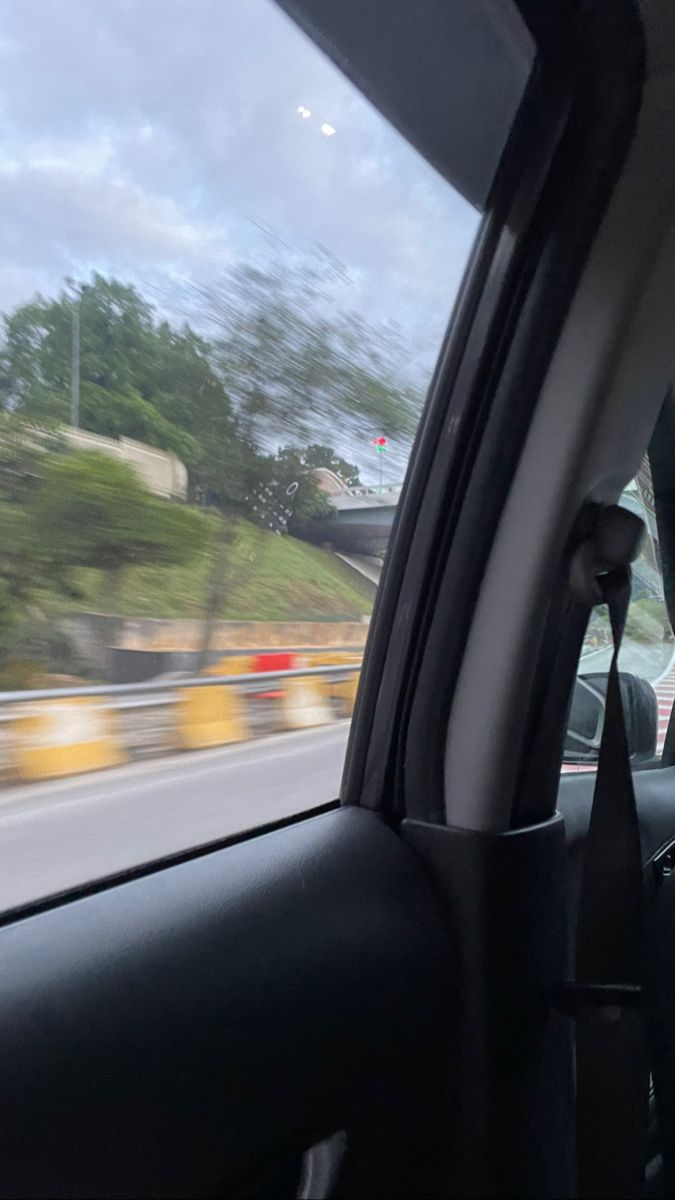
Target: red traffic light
column 379, row 441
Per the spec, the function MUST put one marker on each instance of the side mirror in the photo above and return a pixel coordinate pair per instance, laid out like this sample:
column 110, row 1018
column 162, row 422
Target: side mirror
column 587, row 716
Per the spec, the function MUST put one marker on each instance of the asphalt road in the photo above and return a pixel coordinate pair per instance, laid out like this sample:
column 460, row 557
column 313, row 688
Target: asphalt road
column 61, row 834
column 649, row 661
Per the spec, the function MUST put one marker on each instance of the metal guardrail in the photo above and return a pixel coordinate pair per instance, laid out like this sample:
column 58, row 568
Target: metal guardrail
column 250, row 682
column 50, row 744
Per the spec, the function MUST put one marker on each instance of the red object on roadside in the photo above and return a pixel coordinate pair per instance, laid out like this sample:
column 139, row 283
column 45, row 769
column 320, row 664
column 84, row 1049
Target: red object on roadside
column 273, row 662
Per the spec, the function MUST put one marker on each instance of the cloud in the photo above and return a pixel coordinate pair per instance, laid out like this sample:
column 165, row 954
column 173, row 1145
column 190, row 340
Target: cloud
column 17, row 284
column 161, row 135
column 62, row 219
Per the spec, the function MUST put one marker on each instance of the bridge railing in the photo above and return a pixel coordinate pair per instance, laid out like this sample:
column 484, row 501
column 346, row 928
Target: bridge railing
column 376, row 489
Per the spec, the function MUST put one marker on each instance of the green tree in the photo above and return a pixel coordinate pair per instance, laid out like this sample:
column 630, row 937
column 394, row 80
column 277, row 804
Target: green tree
column 22, row 448
column 293, row 467
column 27, row 568
column 190, row 395
column 324, row 456
column 139, row 378
column 295, row 361
column 90, row 510
column 60, row 511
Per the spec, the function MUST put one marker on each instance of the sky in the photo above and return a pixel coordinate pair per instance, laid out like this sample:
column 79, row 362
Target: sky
column 160, row 141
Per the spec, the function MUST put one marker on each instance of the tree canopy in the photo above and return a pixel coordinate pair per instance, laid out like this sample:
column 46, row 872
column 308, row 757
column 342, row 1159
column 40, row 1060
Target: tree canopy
column 92, row 511
column 138, row 377
column 293, row 467
column 282, row 365
column 63, row 510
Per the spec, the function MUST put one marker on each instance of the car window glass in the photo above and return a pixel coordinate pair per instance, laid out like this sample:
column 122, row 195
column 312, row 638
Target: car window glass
column 647, row 657
column 224, row 286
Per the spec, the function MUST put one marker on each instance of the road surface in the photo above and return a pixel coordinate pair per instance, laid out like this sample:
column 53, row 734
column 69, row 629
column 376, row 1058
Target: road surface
column 648, row 660
column 61, row 834
column 58, row 835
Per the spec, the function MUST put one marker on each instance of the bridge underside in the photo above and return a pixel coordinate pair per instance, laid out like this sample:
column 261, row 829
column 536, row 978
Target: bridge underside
column 351, row 535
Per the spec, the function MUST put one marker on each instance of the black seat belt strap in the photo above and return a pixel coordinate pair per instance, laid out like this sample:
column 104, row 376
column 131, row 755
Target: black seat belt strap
column 611, row 1062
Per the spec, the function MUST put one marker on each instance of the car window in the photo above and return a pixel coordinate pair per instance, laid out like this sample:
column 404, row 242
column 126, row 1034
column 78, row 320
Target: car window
column 223, row 294
column 647, row 656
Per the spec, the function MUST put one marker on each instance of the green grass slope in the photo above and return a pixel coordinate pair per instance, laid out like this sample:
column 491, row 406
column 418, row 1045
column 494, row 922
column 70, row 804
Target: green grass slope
column 267, row 578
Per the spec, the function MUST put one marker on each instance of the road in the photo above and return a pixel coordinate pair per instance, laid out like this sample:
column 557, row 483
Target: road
column 61, row 834
column 58, row 835
column 648, row 660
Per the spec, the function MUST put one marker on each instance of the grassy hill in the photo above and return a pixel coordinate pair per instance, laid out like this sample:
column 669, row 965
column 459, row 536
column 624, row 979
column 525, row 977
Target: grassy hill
column 266, row 578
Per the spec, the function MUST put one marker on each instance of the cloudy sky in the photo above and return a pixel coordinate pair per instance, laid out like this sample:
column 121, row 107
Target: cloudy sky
column 160, row 140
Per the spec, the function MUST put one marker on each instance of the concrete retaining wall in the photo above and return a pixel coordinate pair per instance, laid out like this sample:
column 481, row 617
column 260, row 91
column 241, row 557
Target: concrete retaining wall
column 106, row 643
column 147, row 633
column 161, row 472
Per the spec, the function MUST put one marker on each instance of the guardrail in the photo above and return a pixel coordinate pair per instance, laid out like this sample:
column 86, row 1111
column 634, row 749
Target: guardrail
column 148, row 686
column 49, row 732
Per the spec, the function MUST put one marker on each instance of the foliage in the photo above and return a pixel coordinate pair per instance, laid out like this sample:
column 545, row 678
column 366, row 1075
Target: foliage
column 92, row 511
column 63, row 511
column 294, row 466
column 284, row 378
column 647, row 621
column 294, row 363
column 284, row 363
column 269, row 578
column 22, row 448
column 138, row 378
column 310, row 457
column 26, row 570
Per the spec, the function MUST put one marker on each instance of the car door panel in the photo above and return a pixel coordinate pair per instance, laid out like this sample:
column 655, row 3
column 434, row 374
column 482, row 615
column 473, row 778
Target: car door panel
column 655, row 799
column 199, row 1024
column 655, row 802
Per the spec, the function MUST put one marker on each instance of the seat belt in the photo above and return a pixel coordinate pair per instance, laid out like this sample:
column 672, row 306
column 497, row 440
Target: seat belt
column 611, row 1061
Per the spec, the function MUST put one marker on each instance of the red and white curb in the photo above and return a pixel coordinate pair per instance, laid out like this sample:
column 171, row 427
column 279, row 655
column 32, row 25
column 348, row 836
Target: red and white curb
column 665, row 695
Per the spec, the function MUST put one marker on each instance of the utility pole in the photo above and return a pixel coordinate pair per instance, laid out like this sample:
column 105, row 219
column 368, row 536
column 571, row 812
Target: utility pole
column 75, row 368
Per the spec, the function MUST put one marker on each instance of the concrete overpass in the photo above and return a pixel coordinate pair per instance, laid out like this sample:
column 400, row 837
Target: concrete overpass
column 362, row 519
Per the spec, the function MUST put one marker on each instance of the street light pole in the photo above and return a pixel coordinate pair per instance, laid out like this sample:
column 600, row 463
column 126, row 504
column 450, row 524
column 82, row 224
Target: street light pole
column 75, row 368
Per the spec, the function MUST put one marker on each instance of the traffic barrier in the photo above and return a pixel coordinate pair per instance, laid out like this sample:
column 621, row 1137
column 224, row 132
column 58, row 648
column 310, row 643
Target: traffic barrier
column 303, row 704
column 297, row 703
column 342, row 691
column 64, row 737
column 233, row 664
column 209, row 716
column 265, row 663
column 49, row 732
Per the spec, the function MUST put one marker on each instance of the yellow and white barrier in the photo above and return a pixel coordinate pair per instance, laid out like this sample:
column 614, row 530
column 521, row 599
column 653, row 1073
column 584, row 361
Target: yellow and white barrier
column 64, row 737
column 231, row 664
column 343, row 690
column 303, row 704
column 69, row 735
column 209, row 716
